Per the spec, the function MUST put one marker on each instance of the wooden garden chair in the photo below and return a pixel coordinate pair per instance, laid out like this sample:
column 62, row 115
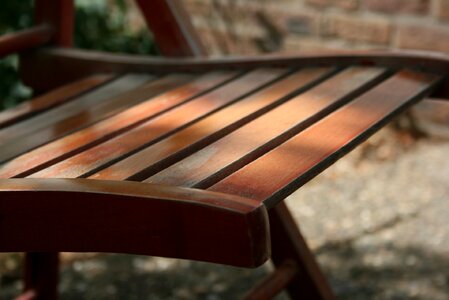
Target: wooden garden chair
column 183, row 157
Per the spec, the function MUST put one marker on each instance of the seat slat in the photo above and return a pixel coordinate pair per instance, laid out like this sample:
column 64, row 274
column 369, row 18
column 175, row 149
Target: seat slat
column 149, row 132
column 51, row 99
column 73, row 143
column 269, row 130
column 49, row 125
column 278, row 173
column 82, row 103
column 157, row 156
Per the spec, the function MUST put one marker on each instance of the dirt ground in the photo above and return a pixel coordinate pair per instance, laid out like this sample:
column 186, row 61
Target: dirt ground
column 377, row 221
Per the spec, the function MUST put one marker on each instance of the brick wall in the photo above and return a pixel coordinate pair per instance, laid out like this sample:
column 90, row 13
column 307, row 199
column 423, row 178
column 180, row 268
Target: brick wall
column 254, row 26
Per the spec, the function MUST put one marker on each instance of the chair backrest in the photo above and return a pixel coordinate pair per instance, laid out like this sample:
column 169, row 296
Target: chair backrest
column 167, row 19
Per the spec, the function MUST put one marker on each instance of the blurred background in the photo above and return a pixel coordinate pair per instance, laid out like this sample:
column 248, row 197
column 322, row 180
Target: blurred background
column 377, row 220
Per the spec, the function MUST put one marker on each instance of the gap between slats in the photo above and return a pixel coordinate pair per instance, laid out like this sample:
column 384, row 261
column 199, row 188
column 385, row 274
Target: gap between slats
column 109, row 152
column 192, row 138
column 221, row 158
column 284, row 169
column 97, row 133
column 49, row 125
column 53, row 99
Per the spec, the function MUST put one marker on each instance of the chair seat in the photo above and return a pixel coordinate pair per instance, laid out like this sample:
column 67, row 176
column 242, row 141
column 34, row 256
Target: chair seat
column 257, row 134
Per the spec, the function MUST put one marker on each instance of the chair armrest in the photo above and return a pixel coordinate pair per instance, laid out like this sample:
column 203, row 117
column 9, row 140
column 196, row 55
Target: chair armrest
column 25, row 39
column 82, row 215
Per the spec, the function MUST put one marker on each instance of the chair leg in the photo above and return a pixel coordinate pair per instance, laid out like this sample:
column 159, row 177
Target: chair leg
column 289, row 244
column 41, row 275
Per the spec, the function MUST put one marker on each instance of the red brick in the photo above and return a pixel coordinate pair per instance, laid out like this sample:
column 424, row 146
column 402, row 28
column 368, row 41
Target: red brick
column 416, row 7
column 345, row 4
column 442, row 9
column 423, row 38
column 369, row 30
column 320, row 3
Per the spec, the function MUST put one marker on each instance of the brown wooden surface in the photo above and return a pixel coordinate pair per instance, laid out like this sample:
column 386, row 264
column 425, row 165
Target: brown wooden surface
column 243, row 145
column 257, row 134
column 156, row 128
column 99, row 132
column 302, row 157
column 192, row 138
column 129, row 217
column 274, row 283
column 171, row 28
column 287, row 243
column 82, row 63
column 60, row 15
column 50, row 100
column 104, row 101
column 25, row 39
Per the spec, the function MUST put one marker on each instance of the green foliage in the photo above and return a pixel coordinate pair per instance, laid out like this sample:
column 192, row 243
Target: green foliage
column 99, row 25
column 104, row 27
column 14, row 15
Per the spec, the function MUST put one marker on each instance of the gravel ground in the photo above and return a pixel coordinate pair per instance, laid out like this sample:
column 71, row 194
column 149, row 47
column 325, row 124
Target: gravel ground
column 377, row 221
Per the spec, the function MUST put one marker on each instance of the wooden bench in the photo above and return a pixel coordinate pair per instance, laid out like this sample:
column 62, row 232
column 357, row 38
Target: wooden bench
column 183, row 157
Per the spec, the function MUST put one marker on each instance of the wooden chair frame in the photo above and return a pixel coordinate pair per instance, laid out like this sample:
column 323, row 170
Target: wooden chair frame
column 296, row 267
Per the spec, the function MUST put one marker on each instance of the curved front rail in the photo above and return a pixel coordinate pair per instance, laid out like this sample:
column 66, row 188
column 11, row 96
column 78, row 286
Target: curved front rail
column 83, row 215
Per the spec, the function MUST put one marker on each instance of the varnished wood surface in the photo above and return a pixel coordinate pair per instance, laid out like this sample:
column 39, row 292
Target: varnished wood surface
column 99, row 132
column 320, row 145
column 82, row 63
column 105, row 101
column 25, row 39
column 156, row 128
column 259, row 136
column 50, row 100
column 227, row 138
column 186, row 141
column 154, row 220
column 256, row 134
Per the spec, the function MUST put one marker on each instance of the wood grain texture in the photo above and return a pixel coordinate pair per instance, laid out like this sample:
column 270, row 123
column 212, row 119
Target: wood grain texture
column 78, row 141
column 305, row 155
column 149, row 132
column 248, row 142
column 186, row 141
column 51, row 99
column 93, row 215
column 82, row 63
column 105, row 101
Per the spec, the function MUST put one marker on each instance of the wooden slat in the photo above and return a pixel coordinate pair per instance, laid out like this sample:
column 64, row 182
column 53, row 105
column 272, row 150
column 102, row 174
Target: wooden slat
column 149, row 132
column 51, row 99
column 269, row 130
column 157, row 156
column 67, row 118
column 84, row 102
column 80, row 140
column 304, row 156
